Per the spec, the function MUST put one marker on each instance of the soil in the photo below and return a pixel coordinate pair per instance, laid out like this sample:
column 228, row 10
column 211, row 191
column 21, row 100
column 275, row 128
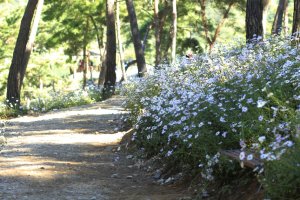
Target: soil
column 73, row 154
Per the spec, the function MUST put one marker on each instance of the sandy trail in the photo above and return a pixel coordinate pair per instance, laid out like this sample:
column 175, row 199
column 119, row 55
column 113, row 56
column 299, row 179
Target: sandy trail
column 69, row 154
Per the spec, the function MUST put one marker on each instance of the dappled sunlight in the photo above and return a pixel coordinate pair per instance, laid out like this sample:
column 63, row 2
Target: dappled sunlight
column 28, row 162
column 66, row 114
column 32, row 167
column 73, row 138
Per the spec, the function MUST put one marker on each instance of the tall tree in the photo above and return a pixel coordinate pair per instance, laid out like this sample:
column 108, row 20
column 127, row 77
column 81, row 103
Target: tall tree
column 212, row 40
column 138, row 48
column 160, row 17
column 22, row 51
column 85, row 53
column 254, row 17
column 110, row 77
column 279, row 17
column 120, row 45
column 157, row 33
column 174, row 31
column 296, row 19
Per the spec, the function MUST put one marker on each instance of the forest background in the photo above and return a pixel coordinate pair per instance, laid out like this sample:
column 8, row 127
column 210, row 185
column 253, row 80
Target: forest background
column 67, row 27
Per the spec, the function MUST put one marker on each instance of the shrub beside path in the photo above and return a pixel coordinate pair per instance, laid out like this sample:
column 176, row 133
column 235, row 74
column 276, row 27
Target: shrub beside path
column 71, row 154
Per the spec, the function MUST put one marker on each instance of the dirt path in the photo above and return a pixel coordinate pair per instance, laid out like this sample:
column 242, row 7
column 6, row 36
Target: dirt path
column 68, row 154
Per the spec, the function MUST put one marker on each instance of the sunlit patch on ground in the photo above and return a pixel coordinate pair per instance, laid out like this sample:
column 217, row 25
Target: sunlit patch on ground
column 68, row 154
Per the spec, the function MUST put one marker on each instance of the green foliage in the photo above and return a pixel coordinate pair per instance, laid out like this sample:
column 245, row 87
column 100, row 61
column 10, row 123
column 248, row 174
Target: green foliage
column 73, row 23
column 10, row 111
column 282, row 177
column 244, row 97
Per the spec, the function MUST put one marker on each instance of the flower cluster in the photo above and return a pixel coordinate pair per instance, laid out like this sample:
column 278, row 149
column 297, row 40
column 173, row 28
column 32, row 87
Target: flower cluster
column 245, row 95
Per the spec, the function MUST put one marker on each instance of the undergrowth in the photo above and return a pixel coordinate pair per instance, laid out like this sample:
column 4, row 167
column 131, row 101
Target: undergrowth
column 238, row 97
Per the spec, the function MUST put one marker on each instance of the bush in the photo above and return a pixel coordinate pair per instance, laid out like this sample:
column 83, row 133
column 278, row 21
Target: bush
column 58, row 100
column 282, row 177
column 242, row 97
column 53, row 100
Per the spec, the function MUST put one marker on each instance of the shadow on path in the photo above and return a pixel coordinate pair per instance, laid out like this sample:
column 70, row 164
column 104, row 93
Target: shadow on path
column 70, row 154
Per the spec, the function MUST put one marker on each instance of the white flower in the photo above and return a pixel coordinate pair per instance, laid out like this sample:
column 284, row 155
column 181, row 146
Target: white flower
column 260, row 118
column 242, row 144
column 250, row 157
column 169, row 153
column 250, row 100
column 261, row 139
column 200, row 124
column 222, row 119
column 288, row 143
column 224, row 134
column 244, row 109
column 261, row 103
column 242, row 155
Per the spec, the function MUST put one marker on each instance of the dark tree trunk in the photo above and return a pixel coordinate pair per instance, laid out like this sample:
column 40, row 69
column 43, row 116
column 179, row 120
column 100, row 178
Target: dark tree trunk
column 85, row 54
column 254, row 20
column 157, row 33
column 149, row 27
column 174, row 31
column 110, row 77
column 286, row 21
column 138, row 48
column 278, row 19
column 296, row 19
column 21, row 56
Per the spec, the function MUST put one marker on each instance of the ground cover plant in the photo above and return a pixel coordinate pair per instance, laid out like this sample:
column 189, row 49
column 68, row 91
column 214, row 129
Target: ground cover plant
column 238, row 97
column 45, row 101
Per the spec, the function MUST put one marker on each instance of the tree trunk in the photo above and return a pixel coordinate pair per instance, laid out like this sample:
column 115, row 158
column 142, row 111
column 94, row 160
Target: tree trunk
column 296, row 19
column 211, row 41
column 286, row 21
column 174, row 31
column 121, row 54
column 149, row 27
column 254, row 17
column 220, row 25
column 100, row 46
column 110, row 77
column 279, row 16
column 33, row 32
column 157, row 33
column 85, row 54
column 138, row 48
column 102, row 69
column 22, row 52
column 102, row 74
column 204, row 20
